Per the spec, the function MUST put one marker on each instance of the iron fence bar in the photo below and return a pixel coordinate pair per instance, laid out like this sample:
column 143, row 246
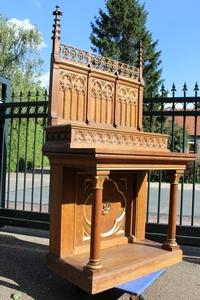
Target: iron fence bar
column 171, row 100
column 4, row 98
column 34, row 153
column 17, row 165
column 194, row 163
column 9, row 158
column 174, row 113
column 2, row 170
column 42, row 158
column 25, row 158
column 21, row 103
column 9, row 163
column 42, row 170
column 173, row 109
column 183, row 149
column 31, row 115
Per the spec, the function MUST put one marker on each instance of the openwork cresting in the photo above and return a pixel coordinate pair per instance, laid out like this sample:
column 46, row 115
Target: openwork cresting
column 94, row 61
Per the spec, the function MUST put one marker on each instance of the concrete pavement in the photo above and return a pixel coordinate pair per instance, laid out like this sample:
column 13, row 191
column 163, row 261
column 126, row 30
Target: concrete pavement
column 24, row 274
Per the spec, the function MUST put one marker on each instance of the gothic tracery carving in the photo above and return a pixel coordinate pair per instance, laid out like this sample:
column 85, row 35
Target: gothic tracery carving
column 74, row 82
column 102, row 89
column 127, row 94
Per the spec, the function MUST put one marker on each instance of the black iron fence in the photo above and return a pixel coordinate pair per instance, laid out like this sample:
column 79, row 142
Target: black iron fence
column 24, row 171
column 179, row 117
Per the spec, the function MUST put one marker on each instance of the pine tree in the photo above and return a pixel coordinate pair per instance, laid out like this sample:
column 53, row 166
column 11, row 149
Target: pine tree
column 116, row 32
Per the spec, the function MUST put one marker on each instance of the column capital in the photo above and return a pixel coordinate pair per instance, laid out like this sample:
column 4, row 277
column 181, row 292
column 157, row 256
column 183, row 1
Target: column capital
column 99, row 178
column 175, row 176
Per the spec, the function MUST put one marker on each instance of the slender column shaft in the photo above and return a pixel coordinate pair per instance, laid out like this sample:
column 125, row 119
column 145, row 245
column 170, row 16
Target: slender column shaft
column 96, row 220
column 172, row 213
column 96, row 231
column 171, row 243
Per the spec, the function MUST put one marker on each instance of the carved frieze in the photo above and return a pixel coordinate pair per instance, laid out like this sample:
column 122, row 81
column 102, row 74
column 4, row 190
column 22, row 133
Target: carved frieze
column 125, row 139
column 78, row 136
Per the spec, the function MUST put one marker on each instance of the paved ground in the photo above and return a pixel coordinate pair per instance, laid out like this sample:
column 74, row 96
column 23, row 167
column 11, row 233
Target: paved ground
column 24, row 274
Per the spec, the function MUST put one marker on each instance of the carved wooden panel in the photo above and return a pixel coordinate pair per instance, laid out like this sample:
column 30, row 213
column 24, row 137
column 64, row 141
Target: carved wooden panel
column 113, row 211
column 101, row 102
column 113, row 208
column 127, row 98
column 73, row 92
column 95, row 99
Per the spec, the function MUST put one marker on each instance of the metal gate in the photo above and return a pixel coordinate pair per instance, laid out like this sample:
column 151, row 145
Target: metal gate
column 24, row 173
column 179, row 117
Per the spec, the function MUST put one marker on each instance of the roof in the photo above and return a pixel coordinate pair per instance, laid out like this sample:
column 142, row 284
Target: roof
column 189, row 124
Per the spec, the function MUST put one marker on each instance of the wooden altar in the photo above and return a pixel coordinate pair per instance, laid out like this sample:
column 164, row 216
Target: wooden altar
column 99, row 158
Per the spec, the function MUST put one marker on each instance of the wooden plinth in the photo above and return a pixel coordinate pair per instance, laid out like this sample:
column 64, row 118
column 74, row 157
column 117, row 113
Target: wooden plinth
column 120, row 264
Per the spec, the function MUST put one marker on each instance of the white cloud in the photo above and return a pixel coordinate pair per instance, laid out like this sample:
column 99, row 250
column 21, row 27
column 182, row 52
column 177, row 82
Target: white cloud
column 43, row 45
column 37, row 3
column 44, row 78
column 26, row 25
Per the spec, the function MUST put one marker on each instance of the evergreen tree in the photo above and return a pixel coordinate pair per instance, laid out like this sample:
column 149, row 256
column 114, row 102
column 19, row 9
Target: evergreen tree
column 116, row 32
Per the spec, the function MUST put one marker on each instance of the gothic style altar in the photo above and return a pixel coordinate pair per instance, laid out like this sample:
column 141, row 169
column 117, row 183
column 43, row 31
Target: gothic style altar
column 100, row 156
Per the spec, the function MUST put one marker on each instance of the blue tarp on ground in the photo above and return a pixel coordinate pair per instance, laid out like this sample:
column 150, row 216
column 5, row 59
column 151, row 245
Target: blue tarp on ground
column 137, row 286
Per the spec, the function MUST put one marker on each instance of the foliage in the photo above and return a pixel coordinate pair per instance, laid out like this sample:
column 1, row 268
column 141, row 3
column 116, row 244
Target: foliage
column 116, row 32
column 176, row 143
column 180, row 144
column 20, row 61
column 17, row 146
column 19, row 54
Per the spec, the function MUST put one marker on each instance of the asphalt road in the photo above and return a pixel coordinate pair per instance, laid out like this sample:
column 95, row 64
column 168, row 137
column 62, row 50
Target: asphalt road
column 37, row 195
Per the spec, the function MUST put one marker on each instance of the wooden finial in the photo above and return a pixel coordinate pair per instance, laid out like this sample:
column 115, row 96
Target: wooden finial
column 56, row 29
column 141, row 59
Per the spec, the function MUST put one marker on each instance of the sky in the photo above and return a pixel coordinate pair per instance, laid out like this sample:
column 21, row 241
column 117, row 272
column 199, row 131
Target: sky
column 174, row 23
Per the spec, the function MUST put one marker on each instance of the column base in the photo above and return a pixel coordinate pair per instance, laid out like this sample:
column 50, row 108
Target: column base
column 93, row 265
column 171, row 245
column 131, row 239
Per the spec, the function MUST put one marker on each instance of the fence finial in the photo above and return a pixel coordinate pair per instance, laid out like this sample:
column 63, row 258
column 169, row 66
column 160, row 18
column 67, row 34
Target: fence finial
column 196, row 87
column 173, row 87
column 56, row 29
column 185, row 87
column 162, row 89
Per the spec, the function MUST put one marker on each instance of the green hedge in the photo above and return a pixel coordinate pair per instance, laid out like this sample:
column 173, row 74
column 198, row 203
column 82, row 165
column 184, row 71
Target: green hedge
column 24, row 145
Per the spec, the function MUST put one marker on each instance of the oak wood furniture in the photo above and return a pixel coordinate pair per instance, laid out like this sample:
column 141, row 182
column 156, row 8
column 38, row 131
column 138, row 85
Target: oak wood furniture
column 99, row 158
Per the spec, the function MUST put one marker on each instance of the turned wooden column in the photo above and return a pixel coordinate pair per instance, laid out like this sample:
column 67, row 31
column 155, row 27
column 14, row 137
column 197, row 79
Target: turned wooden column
column 96, row 220
column 171, row 243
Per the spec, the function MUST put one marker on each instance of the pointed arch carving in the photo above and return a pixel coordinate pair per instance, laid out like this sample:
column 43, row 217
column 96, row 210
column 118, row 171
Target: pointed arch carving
column 73, row 89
